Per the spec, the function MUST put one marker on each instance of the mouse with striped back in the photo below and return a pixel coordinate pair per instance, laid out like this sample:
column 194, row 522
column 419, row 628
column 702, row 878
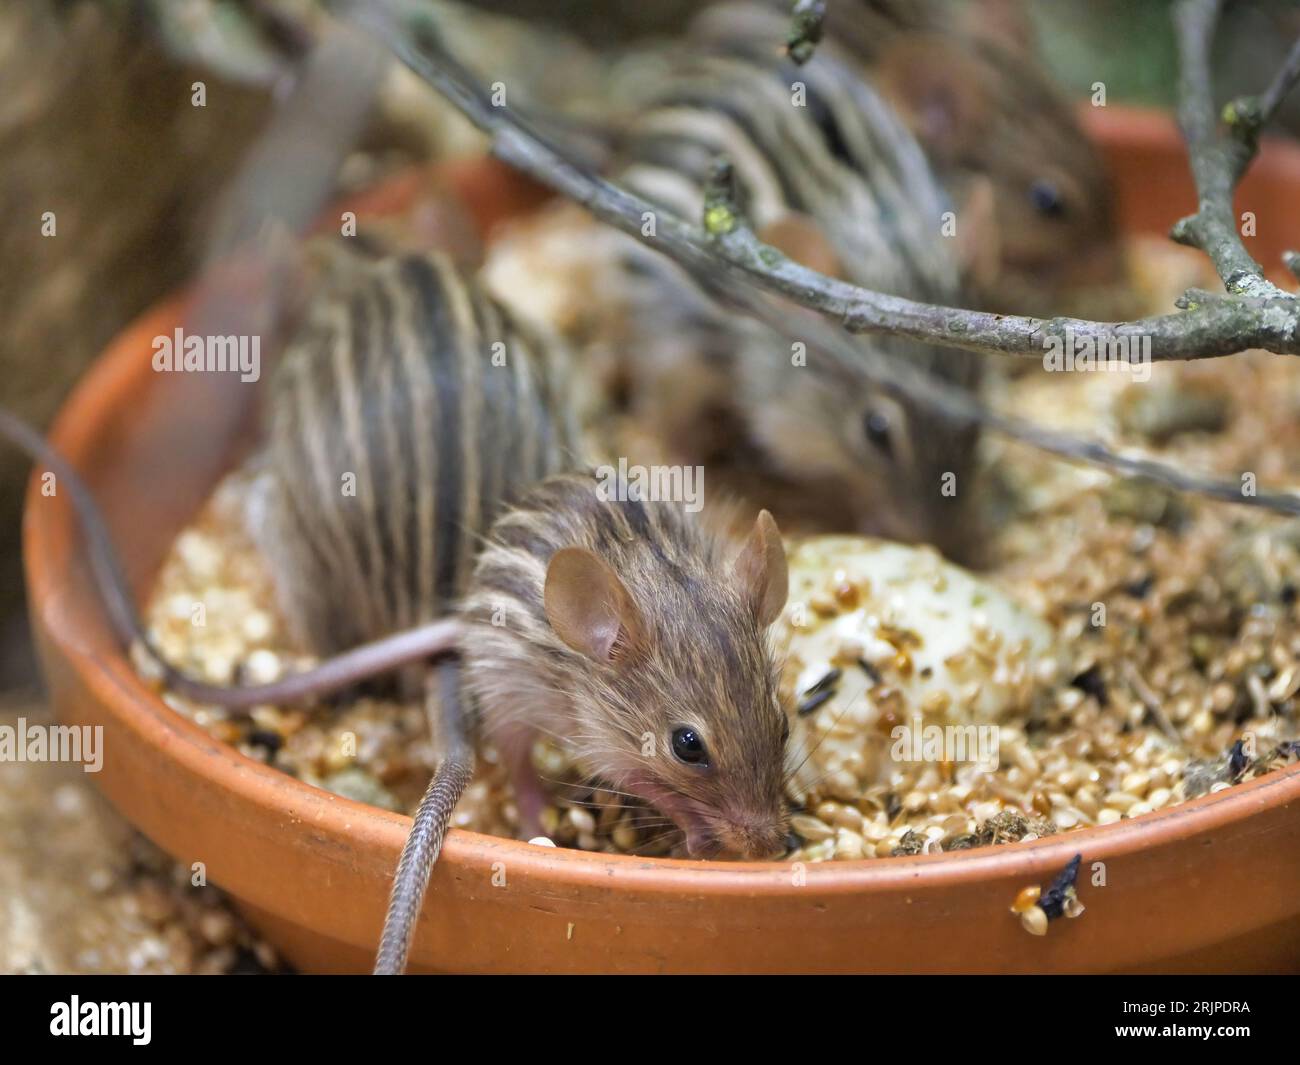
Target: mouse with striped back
column 1029, row 186
column 626, row 630
column 849, row 164
column 829, row 174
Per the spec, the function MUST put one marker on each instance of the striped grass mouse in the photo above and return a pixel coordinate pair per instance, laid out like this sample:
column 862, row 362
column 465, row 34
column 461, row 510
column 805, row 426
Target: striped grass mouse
column 619, row 627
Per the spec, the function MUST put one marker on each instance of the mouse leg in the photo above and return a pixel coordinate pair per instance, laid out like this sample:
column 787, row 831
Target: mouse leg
column 516, row 747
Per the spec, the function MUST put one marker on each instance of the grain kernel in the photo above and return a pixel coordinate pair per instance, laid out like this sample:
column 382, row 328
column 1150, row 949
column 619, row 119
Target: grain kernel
column 810, row 828
column 1034, row 921
column 1027, row 898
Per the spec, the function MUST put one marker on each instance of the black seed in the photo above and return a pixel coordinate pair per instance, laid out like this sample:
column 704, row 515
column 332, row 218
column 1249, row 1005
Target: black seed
column 814, row 701
column 1091, row 682
column 869, row 670
column 1139, row 589
column 1288, row 594
column 260, row 737
column 1053, row 899
column 1237, row 760
column 828, row 681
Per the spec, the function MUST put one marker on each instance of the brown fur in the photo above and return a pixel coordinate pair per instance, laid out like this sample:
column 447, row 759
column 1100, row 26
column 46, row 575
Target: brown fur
column 692, row 652
column 392, row 381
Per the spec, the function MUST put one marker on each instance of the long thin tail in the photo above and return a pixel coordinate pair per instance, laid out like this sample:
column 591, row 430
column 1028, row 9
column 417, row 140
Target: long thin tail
column 342, row 671
column 425, row 841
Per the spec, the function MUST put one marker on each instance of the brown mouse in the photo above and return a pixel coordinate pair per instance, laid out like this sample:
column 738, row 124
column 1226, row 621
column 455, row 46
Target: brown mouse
column 825, row 170
column 615, row 625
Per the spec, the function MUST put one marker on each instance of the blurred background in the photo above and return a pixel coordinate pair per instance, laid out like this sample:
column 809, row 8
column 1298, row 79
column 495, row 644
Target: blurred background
column 98, row 126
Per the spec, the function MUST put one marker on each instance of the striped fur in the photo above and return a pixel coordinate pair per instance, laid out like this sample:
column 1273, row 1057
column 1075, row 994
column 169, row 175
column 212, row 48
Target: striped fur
column 847, row 165
column 703, row 661
column 392, row 382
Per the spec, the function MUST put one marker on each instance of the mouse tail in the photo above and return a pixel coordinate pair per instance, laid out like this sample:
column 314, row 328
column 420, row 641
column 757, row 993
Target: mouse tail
column 334, row 674
column 431, row 819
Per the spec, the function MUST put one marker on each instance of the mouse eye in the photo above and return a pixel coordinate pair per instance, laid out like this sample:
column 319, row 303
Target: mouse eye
column 689, row 748
column 785, row 730
column 876, row 428
column 1046, row 199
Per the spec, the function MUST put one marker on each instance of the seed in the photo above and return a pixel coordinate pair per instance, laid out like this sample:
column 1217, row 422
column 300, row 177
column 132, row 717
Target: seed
column 1138, row 809
column 848, row 845
column 1108, row 816
column 582, row 820
column 823, row 605
column 915, row 801
column 826, row 681
column 256, row 626
column 846, row 594
column 262, row 667
column 814, row 702
column 1120, row 800
column 1027, row 898
column 848, row 817
column 936, row 703
column 542, row 841
column 1066, row 819
column 550, row 819
column 1086, row 799
column 1034, row 921
column 956, row 825
column 1159, row 797
column 843, row 785
column 810, row 828
column 217, row 927
column 1136, row 783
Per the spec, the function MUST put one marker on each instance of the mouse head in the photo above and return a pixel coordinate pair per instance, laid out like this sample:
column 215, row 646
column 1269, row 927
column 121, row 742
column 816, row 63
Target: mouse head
column 861, row 460
column 1035, row 222
column 680, row 706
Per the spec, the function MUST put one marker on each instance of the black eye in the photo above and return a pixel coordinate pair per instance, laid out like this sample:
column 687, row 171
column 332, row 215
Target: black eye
column 876, row 427
column 689, row 748
column 1046, row 199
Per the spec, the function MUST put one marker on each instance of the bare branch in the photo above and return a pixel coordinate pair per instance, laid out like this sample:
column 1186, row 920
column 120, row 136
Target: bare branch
column 1208, row 328
column 1248, row 115
column 1217, row 161
column 738, row 266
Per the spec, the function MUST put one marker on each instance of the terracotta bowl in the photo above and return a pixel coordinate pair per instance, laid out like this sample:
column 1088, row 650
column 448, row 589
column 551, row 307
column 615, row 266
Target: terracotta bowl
column 1209, row 885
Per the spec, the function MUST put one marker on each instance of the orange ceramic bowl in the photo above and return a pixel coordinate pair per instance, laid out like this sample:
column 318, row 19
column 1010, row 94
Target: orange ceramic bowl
column 1208, row 885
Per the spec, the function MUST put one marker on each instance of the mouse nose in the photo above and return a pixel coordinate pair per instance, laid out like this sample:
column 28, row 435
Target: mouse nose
column 754, row 840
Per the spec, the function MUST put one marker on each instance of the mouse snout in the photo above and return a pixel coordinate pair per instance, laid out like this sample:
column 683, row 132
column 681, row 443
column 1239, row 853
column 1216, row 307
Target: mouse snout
column 751, row 838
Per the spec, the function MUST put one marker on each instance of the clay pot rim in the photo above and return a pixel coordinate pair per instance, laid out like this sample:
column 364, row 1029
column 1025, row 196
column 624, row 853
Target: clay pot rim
column 119, row 688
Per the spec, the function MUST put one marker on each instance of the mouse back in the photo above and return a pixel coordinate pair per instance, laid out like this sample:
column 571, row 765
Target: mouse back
column 407, row 411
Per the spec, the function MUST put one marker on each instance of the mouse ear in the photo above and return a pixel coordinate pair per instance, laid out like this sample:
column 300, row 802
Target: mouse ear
column 589, row 607
column 761, row 570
